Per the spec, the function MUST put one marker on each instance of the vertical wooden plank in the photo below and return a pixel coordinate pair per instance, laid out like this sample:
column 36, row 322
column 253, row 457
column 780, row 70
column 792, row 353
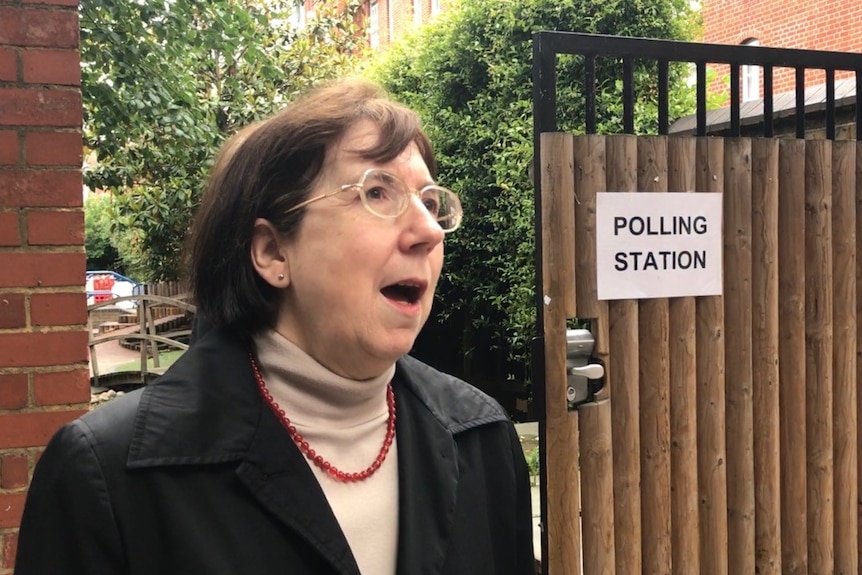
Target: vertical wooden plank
column 709, row 360
column 589, row 180
column 737, row 326
column 561, row 426
column 653, row 334
column 596, row 466
column 818, row 353
column 844, row 360
column 683, row 391
column 621, row 152
column 597, row 488
column 858, row 154
column 764, row 350
column 558, row 217
column 791, row 354
column 600, row 328
column 858, row 333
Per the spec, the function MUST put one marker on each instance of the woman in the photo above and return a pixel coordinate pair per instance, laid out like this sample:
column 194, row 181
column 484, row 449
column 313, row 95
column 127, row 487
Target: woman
column 296, row 436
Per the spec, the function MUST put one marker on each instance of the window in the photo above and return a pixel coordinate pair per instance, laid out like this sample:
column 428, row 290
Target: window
column 297, row 16
column 390, row 20
column 374, row 24
column 417, row 11
column 750, row 76
column 435, row 7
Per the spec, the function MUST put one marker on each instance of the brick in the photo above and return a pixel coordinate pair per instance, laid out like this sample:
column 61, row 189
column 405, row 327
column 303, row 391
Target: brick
column 41, row 188
column 42, row 349
column 33, row 429
column 9, row 233
column 55, row 228
column 816, row 24
column 11, row 509
column 33, row 27
column 9, row 149
column 13, row 310
column 8, row 549
column 58, row 309
column 42, row 269
column 54, row 149
column 54, row 107
column 54, row 2
column 63, row 387
column 8, row 65
column 14, row 471
column 14, row 392
column 52, row 67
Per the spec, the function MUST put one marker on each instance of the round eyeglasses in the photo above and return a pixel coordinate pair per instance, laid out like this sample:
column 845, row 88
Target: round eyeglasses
column 385, row 196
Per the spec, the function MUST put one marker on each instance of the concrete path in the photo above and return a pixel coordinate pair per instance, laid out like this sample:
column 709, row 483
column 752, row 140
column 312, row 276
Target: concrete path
column 529, row 433
column 110, row 354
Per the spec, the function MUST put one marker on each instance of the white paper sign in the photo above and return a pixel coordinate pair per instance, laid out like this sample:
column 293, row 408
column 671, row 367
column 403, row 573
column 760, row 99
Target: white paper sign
column 652, row 245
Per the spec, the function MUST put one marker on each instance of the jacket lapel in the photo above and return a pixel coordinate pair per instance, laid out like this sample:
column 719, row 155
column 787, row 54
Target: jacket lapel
column 210, row 400
column 277, row 475
column 229, row 422
column 428, row 475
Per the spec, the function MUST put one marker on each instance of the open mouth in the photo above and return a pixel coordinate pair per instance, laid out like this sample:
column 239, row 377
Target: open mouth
column 403, row 292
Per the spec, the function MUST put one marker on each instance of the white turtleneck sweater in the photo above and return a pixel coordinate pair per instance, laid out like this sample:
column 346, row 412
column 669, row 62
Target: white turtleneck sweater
column 344, row 421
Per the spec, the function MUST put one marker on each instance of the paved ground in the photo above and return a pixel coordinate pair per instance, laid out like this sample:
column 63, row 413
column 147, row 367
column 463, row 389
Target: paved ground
column 111, row 354
column 529, row 434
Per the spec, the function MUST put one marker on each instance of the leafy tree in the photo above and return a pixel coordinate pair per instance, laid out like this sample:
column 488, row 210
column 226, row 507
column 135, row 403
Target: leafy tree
column 164, row 81
column 101, row 247
column 469, row 76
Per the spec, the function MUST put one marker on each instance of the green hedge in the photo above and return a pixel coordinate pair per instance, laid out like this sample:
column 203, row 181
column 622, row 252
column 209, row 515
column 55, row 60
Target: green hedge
column 469, row 76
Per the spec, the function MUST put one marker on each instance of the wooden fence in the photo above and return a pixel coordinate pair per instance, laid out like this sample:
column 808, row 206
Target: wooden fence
column 725, row 440
column 175, row 289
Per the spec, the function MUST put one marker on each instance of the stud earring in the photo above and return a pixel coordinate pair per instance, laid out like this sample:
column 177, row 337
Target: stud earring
column 280, row 277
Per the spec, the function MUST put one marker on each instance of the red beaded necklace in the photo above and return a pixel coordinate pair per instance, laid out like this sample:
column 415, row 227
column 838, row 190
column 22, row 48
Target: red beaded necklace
column 312, row 455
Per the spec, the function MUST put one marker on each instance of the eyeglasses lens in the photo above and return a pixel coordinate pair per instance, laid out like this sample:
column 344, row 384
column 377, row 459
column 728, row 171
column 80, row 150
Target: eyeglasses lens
column 387, row 196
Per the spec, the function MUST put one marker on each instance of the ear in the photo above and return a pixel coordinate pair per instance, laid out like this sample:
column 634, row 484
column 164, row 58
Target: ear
column 267, row 256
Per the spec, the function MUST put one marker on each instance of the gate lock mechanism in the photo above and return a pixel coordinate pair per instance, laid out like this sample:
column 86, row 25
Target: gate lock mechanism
column 583, row 379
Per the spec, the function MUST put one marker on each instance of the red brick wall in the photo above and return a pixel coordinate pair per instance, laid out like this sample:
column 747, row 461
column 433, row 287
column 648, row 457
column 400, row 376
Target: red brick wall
column 396, row 16
column 44, row 378
column 401, row 15
column 834, row 25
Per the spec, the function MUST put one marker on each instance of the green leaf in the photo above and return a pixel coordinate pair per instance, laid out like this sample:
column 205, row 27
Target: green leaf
column 164, row 83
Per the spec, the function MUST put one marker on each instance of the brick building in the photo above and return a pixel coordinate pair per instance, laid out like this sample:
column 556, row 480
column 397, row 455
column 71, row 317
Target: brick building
column 834, row 25
column 823, row 25
column 386, row 20
column 44, row 379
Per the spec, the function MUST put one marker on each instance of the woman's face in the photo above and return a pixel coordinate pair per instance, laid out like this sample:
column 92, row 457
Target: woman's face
column 360, row 286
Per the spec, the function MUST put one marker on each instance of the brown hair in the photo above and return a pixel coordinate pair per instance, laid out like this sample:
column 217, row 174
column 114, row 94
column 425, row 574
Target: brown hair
column 266, row 169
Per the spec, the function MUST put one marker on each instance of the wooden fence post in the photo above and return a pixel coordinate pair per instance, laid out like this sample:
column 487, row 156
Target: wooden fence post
column 764, row 352
column 683, row 391
column 561, row 426
column 818, row 353
column 653, row 335
column 622, row 169
column 711, row 421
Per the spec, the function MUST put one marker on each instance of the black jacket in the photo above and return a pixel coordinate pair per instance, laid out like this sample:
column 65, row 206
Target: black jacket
column 194, row 474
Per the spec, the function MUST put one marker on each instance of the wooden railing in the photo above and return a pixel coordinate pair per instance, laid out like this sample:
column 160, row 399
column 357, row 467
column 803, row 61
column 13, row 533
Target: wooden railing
column 152, row 310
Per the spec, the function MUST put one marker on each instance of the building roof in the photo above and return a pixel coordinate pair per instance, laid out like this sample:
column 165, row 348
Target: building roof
column 783, row 106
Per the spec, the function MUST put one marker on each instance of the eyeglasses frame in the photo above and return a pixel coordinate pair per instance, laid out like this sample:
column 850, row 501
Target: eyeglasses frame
column 361, row 183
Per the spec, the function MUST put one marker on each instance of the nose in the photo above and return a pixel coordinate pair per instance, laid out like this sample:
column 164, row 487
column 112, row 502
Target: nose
column 422, row 230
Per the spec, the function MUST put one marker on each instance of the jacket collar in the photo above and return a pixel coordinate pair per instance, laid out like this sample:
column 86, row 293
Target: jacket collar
column 207, row 409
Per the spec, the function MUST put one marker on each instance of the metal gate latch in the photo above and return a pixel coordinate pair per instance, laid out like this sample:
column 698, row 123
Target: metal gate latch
column 583, row 378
